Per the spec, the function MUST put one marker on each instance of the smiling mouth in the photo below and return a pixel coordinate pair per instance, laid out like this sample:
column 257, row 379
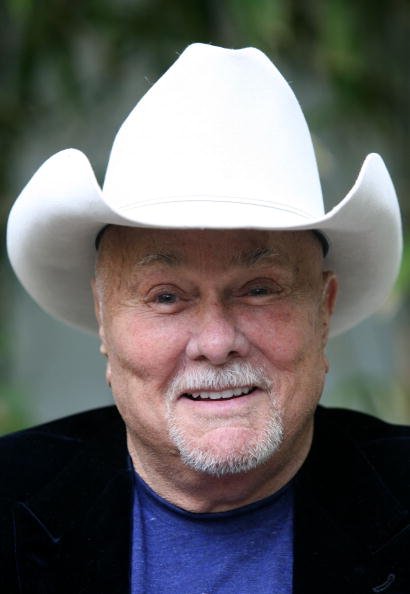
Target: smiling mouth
column 222, row 395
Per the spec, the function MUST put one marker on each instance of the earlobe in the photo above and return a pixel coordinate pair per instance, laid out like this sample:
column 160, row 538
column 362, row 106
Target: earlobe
column 96, row 299
column 98, row 315
column 108, row 374
column 101, row 333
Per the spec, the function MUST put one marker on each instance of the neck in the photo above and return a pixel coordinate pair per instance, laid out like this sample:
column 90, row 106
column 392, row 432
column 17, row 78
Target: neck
column 204, row 493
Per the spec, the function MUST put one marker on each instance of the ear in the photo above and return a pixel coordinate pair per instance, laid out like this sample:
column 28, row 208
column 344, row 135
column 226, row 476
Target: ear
column 330, row 289
column 101, row 331
column 98, row 315
column 329, row 294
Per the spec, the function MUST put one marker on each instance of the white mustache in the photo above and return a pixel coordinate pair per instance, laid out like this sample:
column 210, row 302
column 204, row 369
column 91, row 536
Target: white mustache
column 235, row 375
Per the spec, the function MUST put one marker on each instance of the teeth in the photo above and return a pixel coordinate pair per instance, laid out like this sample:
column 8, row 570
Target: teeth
column 220, row 395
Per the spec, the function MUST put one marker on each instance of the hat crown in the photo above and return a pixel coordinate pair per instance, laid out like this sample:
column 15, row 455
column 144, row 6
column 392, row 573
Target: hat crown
column 220, row 125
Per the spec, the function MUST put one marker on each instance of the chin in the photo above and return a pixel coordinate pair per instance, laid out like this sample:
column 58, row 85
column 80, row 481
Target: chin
column 228, row 451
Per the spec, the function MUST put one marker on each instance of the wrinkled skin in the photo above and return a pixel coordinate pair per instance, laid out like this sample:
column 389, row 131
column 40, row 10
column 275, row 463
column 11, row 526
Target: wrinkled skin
column 171, row 301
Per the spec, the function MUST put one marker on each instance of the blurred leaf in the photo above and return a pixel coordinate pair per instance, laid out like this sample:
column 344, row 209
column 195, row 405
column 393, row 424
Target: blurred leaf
column 19, row 8
column 263, row 23
column 403, row 282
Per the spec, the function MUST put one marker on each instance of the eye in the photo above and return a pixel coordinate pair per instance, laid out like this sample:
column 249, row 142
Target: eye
column 260, row 291
column 166, row 298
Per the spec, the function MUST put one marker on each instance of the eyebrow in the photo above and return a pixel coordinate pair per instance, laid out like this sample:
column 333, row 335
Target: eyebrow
column 257, row 257
column 159, row 258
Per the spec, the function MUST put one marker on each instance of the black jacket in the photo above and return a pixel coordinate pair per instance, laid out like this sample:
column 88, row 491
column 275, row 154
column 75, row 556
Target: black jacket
column 66, row 505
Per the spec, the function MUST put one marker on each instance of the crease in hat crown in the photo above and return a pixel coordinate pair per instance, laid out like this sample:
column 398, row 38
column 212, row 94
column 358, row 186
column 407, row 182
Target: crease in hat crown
column 219, row 141
column 219, row 125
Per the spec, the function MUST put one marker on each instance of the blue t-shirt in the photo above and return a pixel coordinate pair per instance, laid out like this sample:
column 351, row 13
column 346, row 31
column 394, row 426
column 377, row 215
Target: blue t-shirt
column 241, row 551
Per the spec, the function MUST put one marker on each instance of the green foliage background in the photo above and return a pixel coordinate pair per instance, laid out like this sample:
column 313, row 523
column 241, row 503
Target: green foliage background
column 352, row 56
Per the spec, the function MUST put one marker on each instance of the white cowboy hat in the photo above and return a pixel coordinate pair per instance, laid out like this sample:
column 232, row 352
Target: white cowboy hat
column 219, row 141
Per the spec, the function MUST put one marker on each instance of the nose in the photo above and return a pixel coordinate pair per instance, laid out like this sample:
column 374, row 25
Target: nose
column 216, row 338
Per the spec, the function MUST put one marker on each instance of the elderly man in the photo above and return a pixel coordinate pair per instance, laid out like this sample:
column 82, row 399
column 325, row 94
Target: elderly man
column 215, row 273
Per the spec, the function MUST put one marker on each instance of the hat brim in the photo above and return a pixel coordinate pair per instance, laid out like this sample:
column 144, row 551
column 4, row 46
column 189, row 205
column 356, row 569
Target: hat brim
column 53, row 225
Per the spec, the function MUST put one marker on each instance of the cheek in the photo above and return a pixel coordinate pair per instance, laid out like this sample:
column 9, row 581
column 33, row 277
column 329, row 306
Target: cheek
column 292, row 348
column 142, row 358
column 148, row 349
column 286, row 336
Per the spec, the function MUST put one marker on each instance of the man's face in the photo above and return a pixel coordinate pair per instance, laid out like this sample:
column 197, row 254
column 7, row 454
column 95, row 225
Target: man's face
column 215, row 341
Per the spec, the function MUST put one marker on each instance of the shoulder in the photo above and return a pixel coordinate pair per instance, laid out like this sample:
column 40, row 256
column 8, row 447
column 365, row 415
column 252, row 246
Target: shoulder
column 361, row 428
column 84, row 426
column 31, row 457
column 358, row 440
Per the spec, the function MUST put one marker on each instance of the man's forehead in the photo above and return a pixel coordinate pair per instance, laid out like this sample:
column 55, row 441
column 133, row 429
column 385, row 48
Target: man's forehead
column 239, row 247
column 244, row 257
